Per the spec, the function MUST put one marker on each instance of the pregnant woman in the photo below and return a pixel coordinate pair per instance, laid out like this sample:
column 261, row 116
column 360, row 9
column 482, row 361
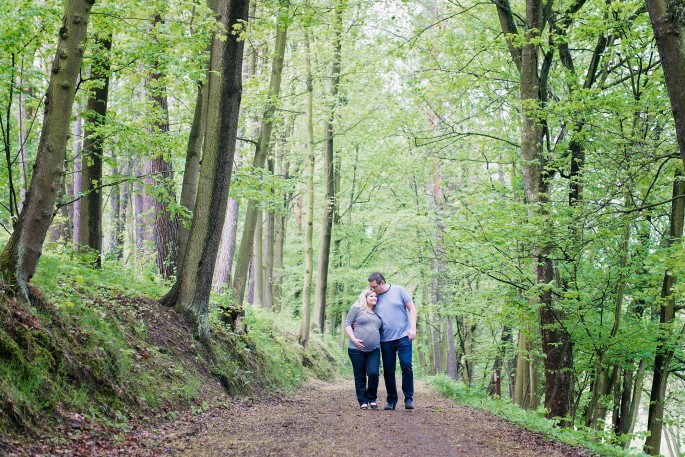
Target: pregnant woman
column 363, row 327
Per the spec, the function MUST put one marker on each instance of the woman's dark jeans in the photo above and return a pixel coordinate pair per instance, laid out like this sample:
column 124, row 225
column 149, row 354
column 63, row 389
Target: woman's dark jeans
column 400, row 349
column 365, row 364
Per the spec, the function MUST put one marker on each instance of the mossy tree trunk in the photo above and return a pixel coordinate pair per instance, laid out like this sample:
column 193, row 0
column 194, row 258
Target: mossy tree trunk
column 20, row 256
column 190, row 293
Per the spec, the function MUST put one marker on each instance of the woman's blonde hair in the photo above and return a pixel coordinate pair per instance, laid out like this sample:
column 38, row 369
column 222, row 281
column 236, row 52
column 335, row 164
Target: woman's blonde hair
column 361, row 301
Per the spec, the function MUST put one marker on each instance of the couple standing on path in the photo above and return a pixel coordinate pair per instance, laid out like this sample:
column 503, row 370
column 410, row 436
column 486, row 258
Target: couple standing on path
column 382, row 324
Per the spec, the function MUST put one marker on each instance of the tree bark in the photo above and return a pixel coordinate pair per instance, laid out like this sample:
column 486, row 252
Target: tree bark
column 120, row 202
column 19, row 258
column 192, row 167
column 668, row 22
column 268, row 258
column 190, row 293
column 90, row 220
column 75, row 208
column 258, row 261
column 139, row 224
column 451, row 351
column 665, row 346
column 309, row 223
column 224, row 262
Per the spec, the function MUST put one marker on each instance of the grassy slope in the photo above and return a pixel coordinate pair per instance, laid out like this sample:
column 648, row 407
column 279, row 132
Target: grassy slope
column 96, row 344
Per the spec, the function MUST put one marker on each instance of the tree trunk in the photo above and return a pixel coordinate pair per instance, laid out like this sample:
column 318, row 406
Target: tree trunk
column 246, row 242
column 119, row 202
column 637, row 396
column 190, row 293
column 21, row 139
column 267, row 248
column 90, row 220
column 20, row 256
column 665, row 347
column 139, row 223
column 329, row 177
column 309, row 223
column 451, row 351
column 224, row 262
column 526, row 380
column 668, row 22
column 437, row 336
column 160, row 173
column 258, row 261
column 192, row 167
column 268, row 259
column 556, row 342
column 75, row 208
column 498, row 364
column 280, row 224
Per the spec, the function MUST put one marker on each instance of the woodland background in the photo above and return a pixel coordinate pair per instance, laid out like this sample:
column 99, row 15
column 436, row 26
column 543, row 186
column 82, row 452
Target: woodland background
column 515, row 165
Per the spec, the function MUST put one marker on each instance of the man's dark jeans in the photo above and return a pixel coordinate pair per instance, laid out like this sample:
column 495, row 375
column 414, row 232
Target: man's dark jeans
column 365, row 364
column 402, row 349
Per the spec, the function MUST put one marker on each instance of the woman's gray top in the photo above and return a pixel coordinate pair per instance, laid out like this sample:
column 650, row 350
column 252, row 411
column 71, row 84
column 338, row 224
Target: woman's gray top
column 367, row 329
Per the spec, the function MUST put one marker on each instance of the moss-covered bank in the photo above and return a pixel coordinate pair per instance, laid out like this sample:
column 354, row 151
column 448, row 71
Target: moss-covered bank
column 97, row 345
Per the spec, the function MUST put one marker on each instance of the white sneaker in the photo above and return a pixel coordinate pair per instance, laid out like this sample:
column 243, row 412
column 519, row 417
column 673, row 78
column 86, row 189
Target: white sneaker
column 364, row 406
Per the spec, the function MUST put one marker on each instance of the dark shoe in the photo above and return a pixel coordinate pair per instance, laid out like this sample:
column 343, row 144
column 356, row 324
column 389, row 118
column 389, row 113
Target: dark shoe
column 409, row 404
column 390, row 406
column 373, row 405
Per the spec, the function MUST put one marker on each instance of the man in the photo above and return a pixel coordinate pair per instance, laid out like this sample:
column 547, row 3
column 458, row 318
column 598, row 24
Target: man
column 398, row 313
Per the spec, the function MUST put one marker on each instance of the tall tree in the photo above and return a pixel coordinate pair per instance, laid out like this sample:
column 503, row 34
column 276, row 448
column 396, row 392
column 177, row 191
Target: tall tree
column 190, row 293
column 668, row 22
column 309, row 217
column 159, row 169
column 556, row 342
column 90, row 218
column 666, row 348
column 192, row 165
column 19, row 258
column 329, row 175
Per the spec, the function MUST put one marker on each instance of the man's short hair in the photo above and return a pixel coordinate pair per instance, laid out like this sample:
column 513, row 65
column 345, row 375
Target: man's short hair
column 376, row 277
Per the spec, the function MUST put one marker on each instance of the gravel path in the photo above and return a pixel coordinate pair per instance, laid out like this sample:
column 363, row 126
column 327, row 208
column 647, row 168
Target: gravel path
column 323, row 419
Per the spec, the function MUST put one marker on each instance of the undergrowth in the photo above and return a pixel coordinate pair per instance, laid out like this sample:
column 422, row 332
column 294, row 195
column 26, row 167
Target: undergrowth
column 97, row 344
column 531, row 420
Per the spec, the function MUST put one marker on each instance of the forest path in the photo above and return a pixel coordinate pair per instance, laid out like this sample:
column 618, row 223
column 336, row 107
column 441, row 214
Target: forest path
column 322, row 419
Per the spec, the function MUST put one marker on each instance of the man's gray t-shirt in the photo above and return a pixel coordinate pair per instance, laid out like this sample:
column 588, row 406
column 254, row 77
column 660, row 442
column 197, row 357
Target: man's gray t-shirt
column 366, row 329
column 391, row 307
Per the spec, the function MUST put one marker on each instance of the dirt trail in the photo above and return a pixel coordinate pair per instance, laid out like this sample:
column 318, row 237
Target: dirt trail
column 323, row 419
